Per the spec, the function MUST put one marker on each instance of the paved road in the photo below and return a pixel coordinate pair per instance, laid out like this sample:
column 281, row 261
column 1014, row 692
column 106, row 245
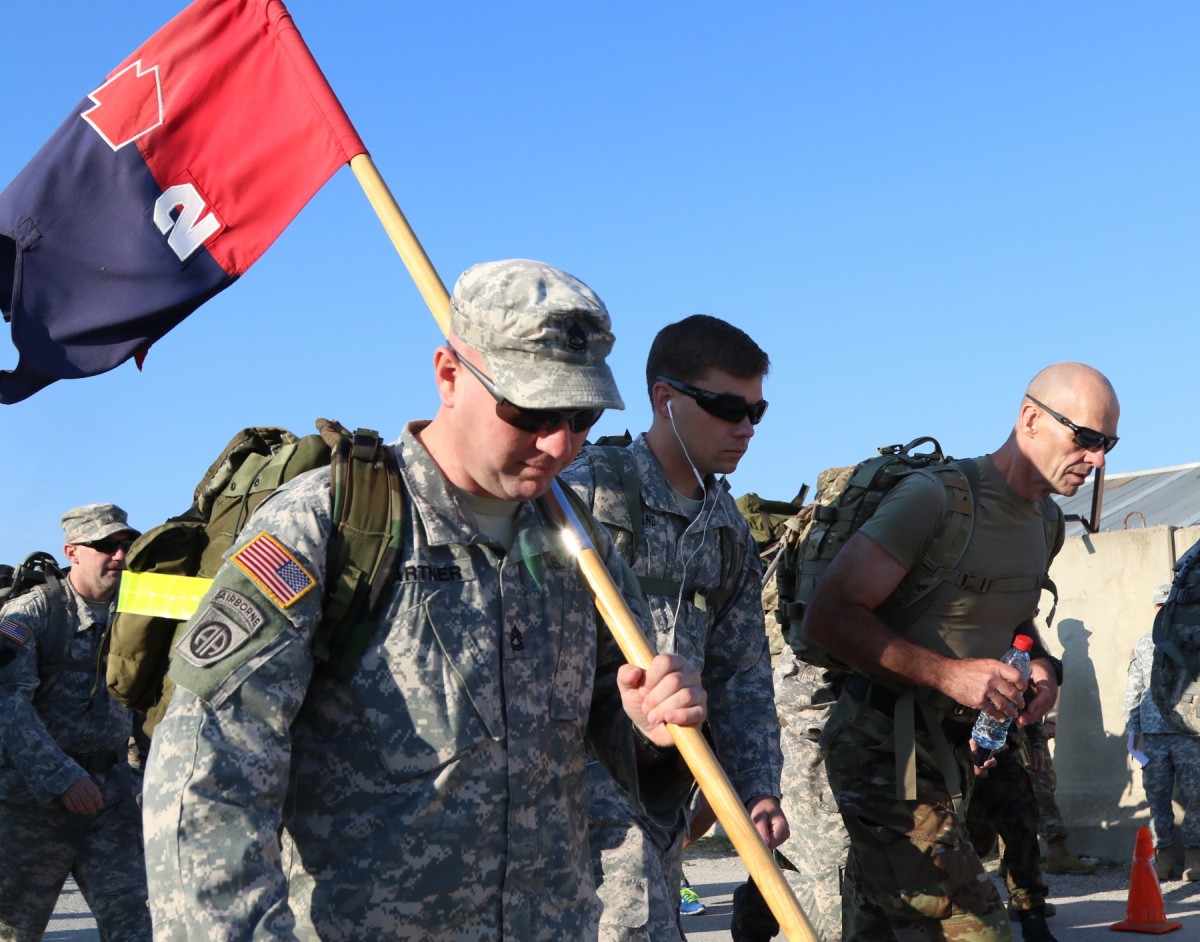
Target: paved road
column 72, row 921
column 1087, row 906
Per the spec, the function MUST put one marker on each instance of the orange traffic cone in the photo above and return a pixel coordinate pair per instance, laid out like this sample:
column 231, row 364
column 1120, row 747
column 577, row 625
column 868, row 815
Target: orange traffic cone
column 1144, row 911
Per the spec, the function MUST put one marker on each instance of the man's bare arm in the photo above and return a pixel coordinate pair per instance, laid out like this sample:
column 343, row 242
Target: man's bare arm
column 841, row 618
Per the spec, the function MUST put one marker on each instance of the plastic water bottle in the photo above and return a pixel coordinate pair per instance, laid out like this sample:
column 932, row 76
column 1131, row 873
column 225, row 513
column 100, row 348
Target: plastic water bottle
column 990, row 734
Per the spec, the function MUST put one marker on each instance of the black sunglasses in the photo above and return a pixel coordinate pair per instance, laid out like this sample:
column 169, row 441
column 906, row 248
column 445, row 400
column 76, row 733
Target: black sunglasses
column 1087, row 438
column 109, row 545
column 725, row 406
column 534, row 421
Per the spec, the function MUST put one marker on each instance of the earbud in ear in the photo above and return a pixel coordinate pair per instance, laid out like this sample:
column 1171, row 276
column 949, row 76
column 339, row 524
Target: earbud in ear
column 670, row 414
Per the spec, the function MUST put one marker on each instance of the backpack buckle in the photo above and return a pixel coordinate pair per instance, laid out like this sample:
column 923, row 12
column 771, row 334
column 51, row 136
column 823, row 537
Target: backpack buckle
column 363, row 444
column 974, row 583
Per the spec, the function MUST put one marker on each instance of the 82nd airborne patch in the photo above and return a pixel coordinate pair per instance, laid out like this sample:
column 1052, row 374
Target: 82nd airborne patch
column 228, row 622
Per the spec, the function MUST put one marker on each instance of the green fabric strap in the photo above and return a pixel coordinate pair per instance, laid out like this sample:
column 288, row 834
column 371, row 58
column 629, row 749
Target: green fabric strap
column 944, row 754
column 633, row 500
column 671, row 590
column 367, row 508
column 904, row 726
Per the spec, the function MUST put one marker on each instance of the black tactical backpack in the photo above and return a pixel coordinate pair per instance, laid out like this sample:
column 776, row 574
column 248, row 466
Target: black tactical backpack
column 1175, row 670
column 846, row 498
column 40, row 569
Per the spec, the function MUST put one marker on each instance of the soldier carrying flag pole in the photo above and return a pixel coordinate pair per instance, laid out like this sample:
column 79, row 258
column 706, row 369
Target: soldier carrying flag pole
column 176, row 196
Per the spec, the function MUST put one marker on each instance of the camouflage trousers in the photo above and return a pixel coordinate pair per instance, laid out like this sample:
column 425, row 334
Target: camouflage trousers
column 912, row 872
column 1174, row 764
column 637, row 868
column 41, row 846
column 1050, row 820
column 814, row 856
column 1003, row 804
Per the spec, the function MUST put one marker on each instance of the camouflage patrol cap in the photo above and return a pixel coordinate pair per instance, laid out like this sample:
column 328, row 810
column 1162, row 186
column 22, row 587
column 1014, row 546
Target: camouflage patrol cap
column 95, row 522
column 544, row 334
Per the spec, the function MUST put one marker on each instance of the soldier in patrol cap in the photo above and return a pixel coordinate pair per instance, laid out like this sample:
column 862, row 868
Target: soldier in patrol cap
column 439, row 792
column 67, row 803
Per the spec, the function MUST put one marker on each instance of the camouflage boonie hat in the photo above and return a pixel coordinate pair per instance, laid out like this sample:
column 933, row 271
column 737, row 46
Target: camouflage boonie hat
column 544, row 334
column 1161, row 593
column 95, row 522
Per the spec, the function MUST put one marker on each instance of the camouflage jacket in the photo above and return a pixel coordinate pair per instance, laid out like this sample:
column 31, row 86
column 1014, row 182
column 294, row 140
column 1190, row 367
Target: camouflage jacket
column 728, row 646
column 439, row 793
column 45, row 722
column 1142, row 714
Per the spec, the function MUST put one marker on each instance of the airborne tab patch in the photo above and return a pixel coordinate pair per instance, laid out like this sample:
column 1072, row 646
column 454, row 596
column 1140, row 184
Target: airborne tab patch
column 276, row 571
column 13, row 630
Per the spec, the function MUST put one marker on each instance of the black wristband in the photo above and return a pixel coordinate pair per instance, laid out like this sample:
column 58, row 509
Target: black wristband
column 649, row 747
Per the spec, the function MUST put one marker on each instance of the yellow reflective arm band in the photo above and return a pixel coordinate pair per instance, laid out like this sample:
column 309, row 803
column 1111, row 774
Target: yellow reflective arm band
column 151, row 593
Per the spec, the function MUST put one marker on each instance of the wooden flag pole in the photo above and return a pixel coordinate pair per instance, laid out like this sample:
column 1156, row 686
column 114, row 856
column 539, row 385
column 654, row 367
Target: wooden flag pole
column 691, row 743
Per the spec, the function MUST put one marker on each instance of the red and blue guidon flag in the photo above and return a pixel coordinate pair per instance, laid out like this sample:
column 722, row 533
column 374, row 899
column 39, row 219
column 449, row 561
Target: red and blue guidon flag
column 165, row 184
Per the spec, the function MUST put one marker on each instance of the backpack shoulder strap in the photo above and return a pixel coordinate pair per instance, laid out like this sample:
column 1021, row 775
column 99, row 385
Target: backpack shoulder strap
column 950, row 542
column 946, row 549
column 367, row 501
column 732, row 552
column 1055, row 527
column 618, row 460
column 733, row 558
column 52, row 648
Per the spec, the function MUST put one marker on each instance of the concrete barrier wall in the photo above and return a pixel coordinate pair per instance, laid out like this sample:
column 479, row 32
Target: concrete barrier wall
column 1105, row 583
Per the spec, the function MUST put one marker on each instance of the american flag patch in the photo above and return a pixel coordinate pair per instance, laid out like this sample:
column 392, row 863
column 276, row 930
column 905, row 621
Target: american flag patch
column 275, row 570
column 13, row 630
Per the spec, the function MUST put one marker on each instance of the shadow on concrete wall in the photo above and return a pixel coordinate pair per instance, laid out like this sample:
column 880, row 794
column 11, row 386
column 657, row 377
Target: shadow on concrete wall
column 1084, row 744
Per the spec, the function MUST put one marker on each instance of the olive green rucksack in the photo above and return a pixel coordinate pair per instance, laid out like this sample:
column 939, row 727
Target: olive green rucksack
column 155, row 601
column 768, row 519
column 847, row 497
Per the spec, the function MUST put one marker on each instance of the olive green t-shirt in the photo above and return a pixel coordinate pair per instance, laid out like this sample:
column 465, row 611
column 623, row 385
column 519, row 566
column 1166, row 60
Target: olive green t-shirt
column 1008, row 539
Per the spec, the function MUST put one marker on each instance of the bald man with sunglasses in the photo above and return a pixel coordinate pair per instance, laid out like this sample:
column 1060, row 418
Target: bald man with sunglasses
column 439, row 793
column 67, row 797
column 665, row 502
column 912, row 873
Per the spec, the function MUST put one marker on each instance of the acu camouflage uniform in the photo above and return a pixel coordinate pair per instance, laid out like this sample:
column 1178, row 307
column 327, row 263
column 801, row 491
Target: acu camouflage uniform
column 813, row 858
column 1051, row 825
column 638, row 856
column 439, row 794
column 54, row 732
column 1174, row 754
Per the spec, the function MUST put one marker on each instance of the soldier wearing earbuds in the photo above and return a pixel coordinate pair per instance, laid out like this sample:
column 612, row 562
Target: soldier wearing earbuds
column 672, row 519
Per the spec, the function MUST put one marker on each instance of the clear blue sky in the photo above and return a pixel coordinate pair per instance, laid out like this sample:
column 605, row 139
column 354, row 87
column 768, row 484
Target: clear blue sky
column 912, row 206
